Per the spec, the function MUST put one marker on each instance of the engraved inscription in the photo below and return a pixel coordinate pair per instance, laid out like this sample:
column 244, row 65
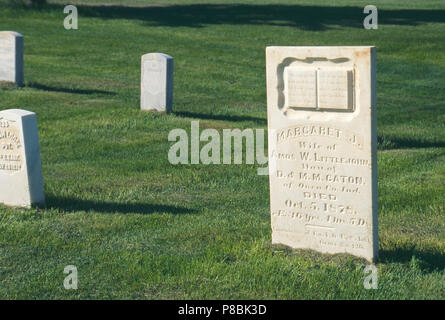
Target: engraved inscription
column 300, row 89
column 321, row 184
column 309, row 130
column 11, row 160
column 152, row 76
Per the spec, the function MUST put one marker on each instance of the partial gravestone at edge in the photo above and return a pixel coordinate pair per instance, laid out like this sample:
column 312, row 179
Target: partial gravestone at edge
column 321, row 108
column 11, row 57
column 21, row 182
column 157, row 82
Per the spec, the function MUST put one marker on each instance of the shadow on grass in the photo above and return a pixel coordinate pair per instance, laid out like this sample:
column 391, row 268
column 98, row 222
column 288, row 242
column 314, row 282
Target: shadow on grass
column 313, row 18
column 73, row 205
column 392, row 143
column 68, row 90
column 430, row 261
column 204, row 116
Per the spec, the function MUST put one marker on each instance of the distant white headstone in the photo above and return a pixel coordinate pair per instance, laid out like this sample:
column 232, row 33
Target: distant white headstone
column 11, row 57
column 321, row 104
column 157, row 82
column 21, row 183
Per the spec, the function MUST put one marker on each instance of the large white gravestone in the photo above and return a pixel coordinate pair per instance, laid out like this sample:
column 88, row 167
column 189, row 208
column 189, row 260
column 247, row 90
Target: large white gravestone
column 157, row 82
column 321, row 109
column 11, row 57
column 21, row 183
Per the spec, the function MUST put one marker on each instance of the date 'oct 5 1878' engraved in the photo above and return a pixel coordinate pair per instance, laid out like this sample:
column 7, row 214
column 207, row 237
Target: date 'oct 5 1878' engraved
column 11, row 160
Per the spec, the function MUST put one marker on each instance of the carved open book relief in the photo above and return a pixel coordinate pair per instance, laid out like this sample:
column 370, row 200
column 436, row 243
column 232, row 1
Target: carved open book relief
column 319, row 89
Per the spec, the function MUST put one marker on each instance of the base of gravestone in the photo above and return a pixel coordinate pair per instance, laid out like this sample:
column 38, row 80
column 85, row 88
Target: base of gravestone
column 8, row 85
column 315, row 255
column 156, row 111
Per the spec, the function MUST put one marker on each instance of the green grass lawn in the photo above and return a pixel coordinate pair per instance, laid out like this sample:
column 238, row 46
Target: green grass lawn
column 138, row 227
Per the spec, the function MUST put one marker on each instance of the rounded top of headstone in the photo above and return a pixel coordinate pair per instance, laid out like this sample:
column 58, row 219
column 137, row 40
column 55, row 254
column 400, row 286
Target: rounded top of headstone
column 16, row 112
column 10, row 34
column 156, row 55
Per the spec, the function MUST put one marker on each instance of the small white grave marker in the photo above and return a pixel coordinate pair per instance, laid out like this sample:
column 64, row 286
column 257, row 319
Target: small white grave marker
column 11, row 57
column 21, row 183
column 157, row 82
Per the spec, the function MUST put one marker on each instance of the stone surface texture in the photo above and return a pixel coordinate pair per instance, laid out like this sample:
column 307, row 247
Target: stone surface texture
column 21, row 183
column 321, row 109
column 11, row 57
column 157, row 82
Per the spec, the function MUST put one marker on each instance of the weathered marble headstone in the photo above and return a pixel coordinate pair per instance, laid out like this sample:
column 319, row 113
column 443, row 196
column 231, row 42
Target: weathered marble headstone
column 157, row 82
column 21, row 183
column 321, row 106
column 11, row 57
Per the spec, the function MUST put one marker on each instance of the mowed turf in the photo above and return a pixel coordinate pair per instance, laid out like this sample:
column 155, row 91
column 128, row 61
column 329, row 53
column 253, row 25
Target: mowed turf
column 138, row 227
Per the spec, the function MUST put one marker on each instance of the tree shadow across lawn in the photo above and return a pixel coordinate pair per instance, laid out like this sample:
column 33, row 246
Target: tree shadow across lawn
column 43, row 87
column 234, row 118
column 305, row 17
column 392, row 143
column 430, row 261
column 73, row 205
column 315, row 18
